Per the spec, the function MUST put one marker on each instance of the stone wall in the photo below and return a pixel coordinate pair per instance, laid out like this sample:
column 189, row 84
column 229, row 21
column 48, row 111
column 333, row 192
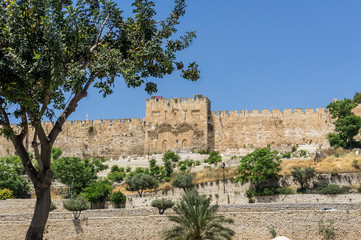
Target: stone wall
column 188, row 124
column 145, row 224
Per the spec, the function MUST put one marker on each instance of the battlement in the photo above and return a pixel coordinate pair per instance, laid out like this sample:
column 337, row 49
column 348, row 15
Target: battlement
column 275, row 112
column 186, row 100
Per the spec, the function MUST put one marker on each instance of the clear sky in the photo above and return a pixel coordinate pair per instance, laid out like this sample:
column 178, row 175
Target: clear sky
column 254, row 54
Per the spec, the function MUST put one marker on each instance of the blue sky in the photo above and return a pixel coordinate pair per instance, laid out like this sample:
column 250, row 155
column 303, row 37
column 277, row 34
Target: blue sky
column 254, row 54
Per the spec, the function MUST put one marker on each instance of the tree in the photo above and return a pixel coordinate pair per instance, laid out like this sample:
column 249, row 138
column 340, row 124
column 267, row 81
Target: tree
column 303, row 176
column 10, row 179
column 76, row 205
column 162, row 204
column 184, row 181
column 170, row 159
column 347, row 124
column 259, row 166
column 52, row 52
column 97, row 192
column 214, row 158
column 117, row 198
column 196, row 219
column 139, row 182
column 77, row 173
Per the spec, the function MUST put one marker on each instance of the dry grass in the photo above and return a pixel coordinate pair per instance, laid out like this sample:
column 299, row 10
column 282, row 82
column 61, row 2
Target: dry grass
column 337, row 162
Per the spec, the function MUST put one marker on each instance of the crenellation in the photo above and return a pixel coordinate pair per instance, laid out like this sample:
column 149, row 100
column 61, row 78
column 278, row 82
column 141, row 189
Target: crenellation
column 188, row 124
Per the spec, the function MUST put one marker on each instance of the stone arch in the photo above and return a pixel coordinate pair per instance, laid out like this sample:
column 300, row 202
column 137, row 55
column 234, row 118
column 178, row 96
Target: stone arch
column 184, row 143
column 165, row 145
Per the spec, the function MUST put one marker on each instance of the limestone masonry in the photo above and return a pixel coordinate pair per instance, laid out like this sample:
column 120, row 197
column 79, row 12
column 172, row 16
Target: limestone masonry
column 188, row 124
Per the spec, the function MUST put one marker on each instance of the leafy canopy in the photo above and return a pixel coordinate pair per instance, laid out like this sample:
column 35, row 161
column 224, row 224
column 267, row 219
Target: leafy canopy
column 98, row 191
column 77, row 173
column 259, row 166
column 347, row 125
column 76, row 205
column 162, row 204
column 10, row 179
column 303, row 176
column 140, row 182
column 184, row 181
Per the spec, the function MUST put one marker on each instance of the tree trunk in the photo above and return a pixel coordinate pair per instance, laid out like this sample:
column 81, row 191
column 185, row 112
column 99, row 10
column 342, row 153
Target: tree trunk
column 41, row 212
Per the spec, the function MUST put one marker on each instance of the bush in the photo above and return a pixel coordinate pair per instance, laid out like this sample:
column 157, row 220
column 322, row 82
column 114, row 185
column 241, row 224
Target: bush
column 6, row 194
column 203, row 151
column 162, row 204
column 184, row 181
column 303, row 176
column 116, row 176
column 326, row 231
column 97, row 192
column 10, row 179
column 214, row 158
column 286, row 155
column 52, row 206
column 334, row 189
column 117, row 198
column 76, row 205
column 268, row 191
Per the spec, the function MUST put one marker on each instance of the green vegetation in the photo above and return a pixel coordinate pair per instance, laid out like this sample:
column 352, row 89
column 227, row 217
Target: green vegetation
column 10, row 179
column 117, row 198
column 97, row 192
column 91, row 129
column 184, row 181
column 268, row 191
column 53, row 52
column 259, row 166
column 116, row 174
column 272, row 231
column 214, row 158
column 77, row 173
column 162, row 204
column 6, row 194
column 187, row 165
column 203, row 151
column 140, row 182
column 334, row 189
column 196, row 219
column 303, row 176
column 170, row 159
column 286, row 155
column 326, row 230
column 76, row 205
column 347, row 125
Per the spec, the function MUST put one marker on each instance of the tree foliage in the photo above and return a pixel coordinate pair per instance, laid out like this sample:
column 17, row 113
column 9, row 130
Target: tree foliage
column 117, row 198
column 259, row 166
column 303, row 176
column 76, row 205
column 10, row 179
column 52, row 52
column 6, row 193
column 170, row 159
column 77, row 173
column 162, row 204
column 184, row 181
column 196, row 219
column 347, row 124
column 97, row 192
column 140, row 182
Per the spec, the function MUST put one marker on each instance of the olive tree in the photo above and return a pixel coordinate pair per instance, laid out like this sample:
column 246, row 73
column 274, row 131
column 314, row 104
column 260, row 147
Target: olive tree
column 140, row 182
column 52, row 52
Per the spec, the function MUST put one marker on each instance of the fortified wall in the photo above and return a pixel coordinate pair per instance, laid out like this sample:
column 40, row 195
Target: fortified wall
column 188, row 124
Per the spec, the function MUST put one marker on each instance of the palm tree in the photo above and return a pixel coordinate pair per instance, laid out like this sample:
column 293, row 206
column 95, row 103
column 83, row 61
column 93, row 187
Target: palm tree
column 197, row 220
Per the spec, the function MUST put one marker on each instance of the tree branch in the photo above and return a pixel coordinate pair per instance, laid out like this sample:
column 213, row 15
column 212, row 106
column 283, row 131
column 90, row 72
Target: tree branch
column 45, row 103
column 24, row 124
column 96, row 43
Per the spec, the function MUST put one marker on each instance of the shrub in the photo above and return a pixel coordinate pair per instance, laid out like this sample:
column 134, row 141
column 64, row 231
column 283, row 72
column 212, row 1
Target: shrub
column 97, row 192
column 286, row 155
column 169, row 160
column 303, row 153
column 268, row 191
column 76, row 205
column 6, row 194
column 162, row 204
column 184, row 181
column 10, row 179
column 334, row 189
column 117, row 198
column 272, row 231
column 326, row 231
column 128, row 169
column 203, row 151
column 52, row 206
column 116, row 176
column 214, row 158
column 115, row 168
column 90, row 129
column 294, row 148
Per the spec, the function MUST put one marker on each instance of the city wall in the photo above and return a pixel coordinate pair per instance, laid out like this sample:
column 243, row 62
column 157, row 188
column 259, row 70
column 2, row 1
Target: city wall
column 189, row 125
column 145, row 224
